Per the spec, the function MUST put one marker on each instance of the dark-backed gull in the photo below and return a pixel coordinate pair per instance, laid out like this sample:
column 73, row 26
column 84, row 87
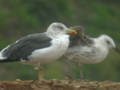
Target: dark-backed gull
column 88, row 50
column 39, row 48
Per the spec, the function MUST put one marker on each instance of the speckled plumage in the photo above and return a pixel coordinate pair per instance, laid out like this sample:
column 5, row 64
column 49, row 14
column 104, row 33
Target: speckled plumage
column 87, row 50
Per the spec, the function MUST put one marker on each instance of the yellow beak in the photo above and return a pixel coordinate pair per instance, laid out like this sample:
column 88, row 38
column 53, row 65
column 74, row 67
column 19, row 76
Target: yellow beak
column 73, row 32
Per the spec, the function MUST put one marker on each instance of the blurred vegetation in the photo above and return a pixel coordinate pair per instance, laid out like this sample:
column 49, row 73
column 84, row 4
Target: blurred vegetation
column 22, row 17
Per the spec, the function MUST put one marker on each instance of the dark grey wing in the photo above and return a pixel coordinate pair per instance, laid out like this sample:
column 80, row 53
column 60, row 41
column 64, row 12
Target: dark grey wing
column 24, row 47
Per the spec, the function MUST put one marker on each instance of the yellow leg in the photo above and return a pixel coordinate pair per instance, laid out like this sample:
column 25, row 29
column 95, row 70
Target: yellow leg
column 40, row 74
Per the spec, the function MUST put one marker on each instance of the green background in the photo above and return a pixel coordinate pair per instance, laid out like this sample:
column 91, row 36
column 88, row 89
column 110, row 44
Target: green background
column 21, row 17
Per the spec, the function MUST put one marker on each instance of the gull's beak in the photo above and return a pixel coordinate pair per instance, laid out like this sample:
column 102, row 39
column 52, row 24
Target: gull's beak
column 72, row 32
column 117, row 49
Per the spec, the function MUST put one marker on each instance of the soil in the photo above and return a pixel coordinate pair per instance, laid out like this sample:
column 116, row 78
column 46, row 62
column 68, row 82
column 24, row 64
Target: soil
column 59, row 85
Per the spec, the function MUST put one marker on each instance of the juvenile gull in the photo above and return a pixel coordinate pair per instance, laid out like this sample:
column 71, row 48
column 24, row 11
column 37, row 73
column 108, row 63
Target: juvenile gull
column 88, row 50
column 39, row 48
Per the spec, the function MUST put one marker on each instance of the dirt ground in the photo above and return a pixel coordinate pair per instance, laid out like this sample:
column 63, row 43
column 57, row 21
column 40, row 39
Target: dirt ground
column 58, row 85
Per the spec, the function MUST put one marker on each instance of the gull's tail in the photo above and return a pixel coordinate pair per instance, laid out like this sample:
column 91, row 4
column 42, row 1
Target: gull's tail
column 3, row 59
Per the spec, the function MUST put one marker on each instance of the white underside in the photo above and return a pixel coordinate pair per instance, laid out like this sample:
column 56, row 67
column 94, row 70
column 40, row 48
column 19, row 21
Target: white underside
column 55, row 51
column 87, row 54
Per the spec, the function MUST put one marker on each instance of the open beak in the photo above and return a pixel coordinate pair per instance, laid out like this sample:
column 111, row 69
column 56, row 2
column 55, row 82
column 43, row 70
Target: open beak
column 72, row 32
column 117, row 49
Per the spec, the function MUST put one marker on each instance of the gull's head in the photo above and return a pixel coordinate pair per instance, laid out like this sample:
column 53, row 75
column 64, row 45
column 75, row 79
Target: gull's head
column 107, row 41
column 56, row 29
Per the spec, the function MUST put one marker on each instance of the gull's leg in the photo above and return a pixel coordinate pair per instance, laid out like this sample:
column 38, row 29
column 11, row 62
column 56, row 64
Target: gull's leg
column 81, row 71
column 67, row 70
column 40, row 73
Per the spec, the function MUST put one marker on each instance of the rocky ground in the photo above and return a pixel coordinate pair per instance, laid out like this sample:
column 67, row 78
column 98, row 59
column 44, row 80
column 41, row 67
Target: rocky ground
column 58, row 85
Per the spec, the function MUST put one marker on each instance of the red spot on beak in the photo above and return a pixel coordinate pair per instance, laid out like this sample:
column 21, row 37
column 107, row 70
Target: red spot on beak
column 73, row 33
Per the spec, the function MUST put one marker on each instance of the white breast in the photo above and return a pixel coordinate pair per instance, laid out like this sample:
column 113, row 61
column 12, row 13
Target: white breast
column 55, row 51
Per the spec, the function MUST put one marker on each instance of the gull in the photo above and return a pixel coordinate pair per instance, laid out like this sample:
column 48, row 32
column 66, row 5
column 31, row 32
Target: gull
column 88, row 50
column 39, row 48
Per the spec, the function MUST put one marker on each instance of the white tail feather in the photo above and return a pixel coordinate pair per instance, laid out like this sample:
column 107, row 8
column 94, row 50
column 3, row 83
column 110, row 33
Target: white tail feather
column 2, row 57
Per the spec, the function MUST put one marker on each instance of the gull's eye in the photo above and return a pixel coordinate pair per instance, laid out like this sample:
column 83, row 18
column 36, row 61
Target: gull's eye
column 108, row 42
column 60, row 27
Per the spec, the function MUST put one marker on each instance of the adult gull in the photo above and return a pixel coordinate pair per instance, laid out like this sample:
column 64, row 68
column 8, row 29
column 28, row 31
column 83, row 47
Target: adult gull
column 40, row 48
